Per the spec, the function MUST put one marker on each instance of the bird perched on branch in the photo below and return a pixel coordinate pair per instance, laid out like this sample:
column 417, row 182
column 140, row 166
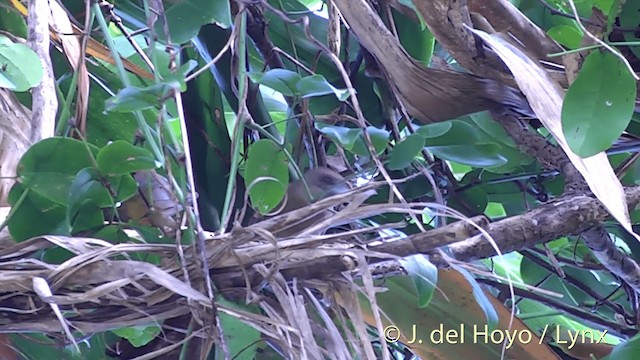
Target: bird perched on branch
column 321, row 182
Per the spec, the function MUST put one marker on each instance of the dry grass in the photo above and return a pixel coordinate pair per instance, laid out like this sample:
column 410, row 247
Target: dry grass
column 102, row 287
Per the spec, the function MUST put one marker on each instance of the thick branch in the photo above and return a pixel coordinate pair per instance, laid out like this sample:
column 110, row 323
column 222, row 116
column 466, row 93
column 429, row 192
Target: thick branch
column 569, row 215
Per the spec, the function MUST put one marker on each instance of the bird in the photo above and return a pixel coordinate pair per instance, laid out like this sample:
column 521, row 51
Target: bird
column 322, row 182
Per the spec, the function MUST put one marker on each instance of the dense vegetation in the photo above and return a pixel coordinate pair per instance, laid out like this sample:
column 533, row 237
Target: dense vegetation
column 490, row 146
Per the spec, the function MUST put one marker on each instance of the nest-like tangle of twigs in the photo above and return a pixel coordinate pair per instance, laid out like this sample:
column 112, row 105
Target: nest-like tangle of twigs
column 102, row 287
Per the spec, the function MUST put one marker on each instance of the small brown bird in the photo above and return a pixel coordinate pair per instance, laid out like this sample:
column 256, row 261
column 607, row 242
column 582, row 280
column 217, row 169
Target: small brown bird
column 322, row 182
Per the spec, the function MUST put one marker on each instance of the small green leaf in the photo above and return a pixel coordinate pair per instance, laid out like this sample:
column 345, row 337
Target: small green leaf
column 481, row 155
column 598, row 105
column 266, row 175
column 121, row 157
column 89, row 184
column 134, row 98
column 343, row 136
column 86, row 186
column 180, row 74
column 435, row 129
column 281, row 80
column 20, row 67
column 459, row 133
column 112, row 233
column 317, row 85
column 138, row 335
column 379, row 140
column 402, row 154
column 424, row 276
column 569, row 36
column 494, row 130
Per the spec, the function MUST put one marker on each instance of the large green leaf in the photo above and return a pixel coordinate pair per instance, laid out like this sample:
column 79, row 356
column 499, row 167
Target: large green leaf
column 403, row 154
column 49, row 166
column 121, row 157
column 21, row 67
column 209, row 142
column 51, row 217
column 186, row 17
column 598, row 105
column 628, row 350
column 266, row 175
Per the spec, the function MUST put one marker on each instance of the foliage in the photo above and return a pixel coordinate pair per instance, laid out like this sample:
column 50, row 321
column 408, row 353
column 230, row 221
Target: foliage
column 203, row 110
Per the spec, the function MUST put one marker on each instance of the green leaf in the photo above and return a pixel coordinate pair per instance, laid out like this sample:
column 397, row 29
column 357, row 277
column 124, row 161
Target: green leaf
column 567, row 35
column 185, row 19
column 51, row 217
column 341, row 135
column 242, row 339
column 89, row 185
column 629, row 19
column 138, row 335
column 290, row 83
column 459, row 133
column 598, row 105
column 462, row 142
column 86, row 186
column 266, row 160
column 112, row 233
column 40, row 346
column 412, row 6
column 424, row 276
column 102, row 126
column 435, row 130
column 134, row 98
column 379, row 140
column 281, row 80
column 317, row 85
column 121, row 157
column 402, row 154
column 87, row 215
column 50, row 166
column 494, row 130
column 181, row 73
column 20, row 67
column 483, row 155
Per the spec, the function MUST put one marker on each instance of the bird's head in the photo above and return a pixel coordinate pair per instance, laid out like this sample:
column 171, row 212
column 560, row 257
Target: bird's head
column 324, row 182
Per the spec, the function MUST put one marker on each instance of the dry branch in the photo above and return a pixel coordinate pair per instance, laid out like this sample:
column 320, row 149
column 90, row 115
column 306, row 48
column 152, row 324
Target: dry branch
column 99, row 283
